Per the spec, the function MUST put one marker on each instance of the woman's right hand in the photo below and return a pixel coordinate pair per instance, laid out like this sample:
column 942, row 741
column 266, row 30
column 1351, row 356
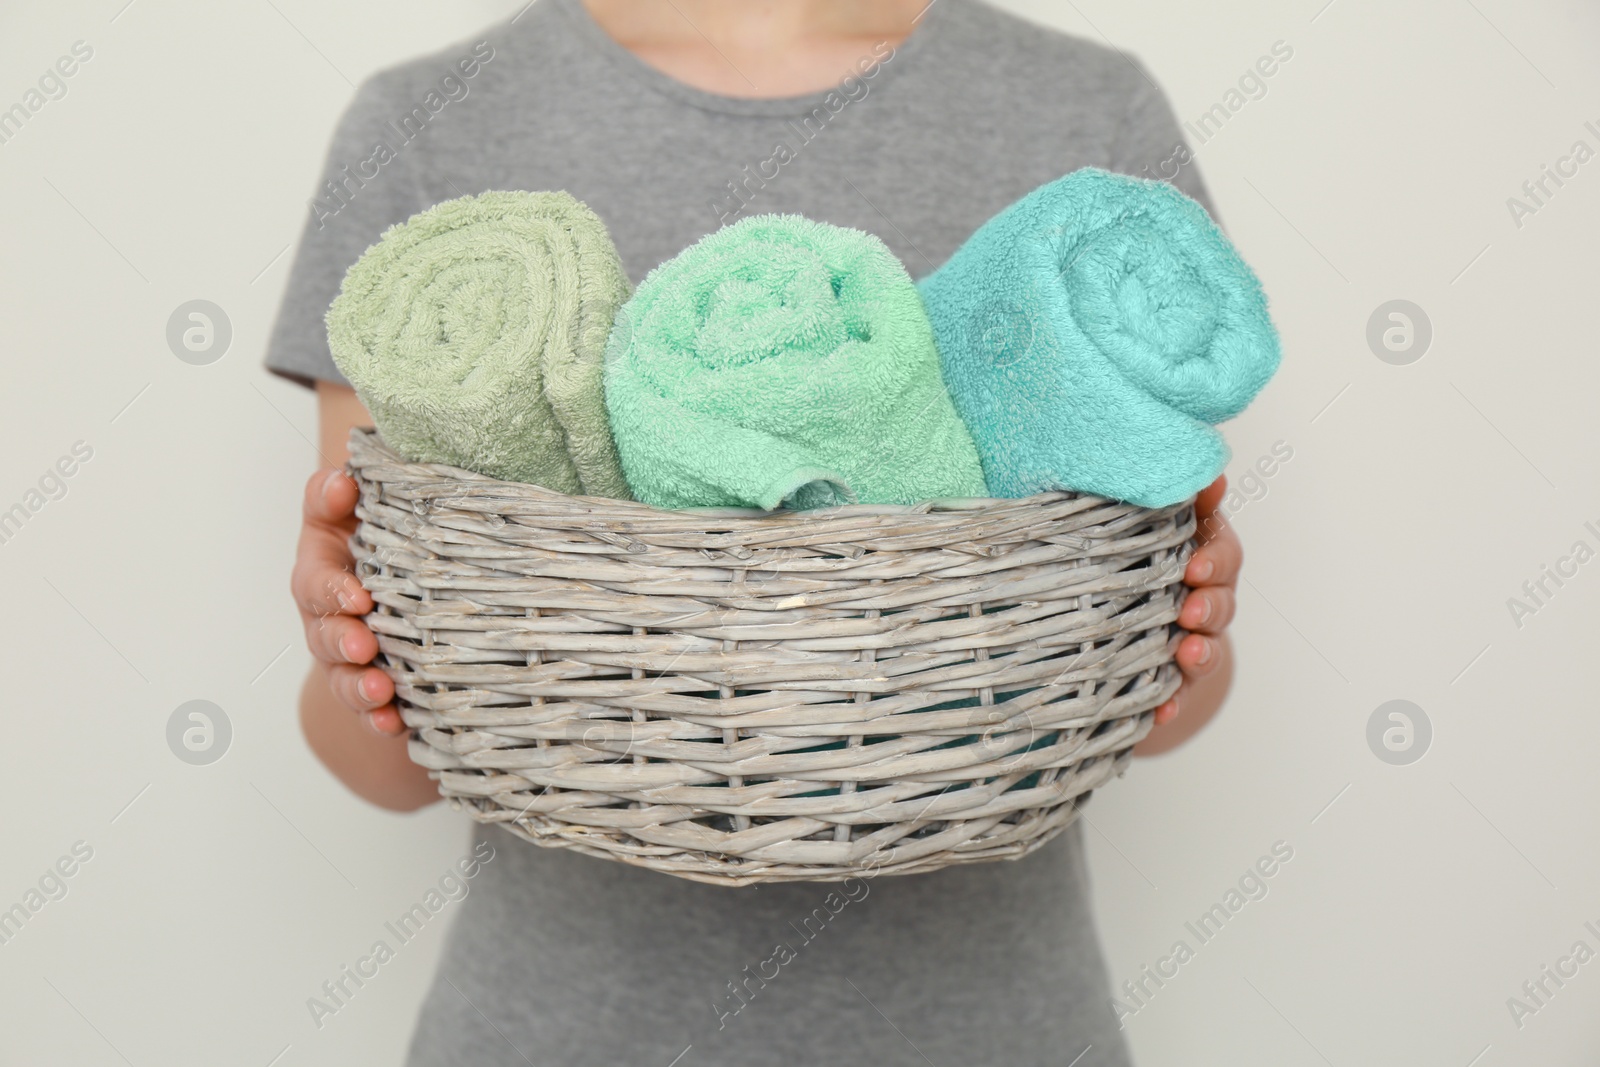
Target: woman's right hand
column 332, row 603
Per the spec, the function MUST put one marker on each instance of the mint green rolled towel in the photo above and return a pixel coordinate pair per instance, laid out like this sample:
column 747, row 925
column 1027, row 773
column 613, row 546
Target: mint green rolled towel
column 781, row 361
column 1094, row 332
column 475, row 334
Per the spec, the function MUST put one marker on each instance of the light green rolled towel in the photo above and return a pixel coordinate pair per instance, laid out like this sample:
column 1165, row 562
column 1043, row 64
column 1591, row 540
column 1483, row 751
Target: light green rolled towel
column 475, row 334
column 784, row 361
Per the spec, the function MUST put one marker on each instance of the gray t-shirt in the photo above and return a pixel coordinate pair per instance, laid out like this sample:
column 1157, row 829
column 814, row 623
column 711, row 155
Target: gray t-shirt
column 559, row 959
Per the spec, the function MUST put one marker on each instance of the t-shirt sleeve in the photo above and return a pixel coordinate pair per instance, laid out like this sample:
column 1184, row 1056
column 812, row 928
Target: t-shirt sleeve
column 1150, row 143
column 373, row 176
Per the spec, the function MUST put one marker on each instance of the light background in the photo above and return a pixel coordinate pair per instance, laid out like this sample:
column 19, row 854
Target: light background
column 1380, row 561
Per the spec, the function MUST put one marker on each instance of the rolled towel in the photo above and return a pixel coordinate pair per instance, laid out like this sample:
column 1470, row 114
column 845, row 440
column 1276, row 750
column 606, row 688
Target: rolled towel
column 475, row 334
column 1093, row 332
column 783, row 361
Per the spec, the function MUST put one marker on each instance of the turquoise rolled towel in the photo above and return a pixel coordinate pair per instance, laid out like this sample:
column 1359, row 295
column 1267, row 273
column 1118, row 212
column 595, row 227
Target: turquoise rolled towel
column 475, row 334
column 781, row 361
column 1092, row 334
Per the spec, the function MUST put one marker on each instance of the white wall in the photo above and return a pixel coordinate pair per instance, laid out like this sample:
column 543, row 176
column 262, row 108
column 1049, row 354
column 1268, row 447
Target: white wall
column 1376, row 167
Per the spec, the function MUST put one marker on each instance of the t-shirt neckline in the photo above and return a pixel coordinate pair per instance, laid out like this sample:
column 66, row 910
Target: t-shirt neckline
column 593, row 35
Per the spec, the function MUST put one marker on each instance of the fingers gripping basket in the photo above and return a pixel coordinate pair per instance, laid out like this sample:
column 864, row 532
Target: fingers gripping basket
column 737, row 697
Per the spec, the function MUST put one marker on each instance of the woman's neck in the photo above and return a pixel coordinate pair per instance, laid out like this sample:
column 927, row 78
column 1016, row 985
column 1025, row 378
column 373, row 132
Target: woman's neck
column 756, row 48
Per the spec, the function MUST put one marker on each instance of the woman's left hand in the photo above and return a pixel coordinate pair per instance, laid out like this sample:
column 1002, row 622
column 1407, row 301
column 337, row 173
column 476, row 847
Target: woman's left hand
column 1204, row 655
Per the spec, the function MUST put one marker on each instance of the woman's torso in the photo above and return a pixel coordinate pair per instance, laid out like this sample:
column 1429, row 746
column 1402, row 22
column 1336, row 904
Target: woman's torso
column 557, row 958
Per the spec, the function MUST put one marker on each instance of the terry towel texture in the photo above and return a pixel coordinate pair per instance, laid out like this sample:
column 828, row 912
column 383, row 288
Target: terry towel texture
column 1093, row 332
column 475, row 334
column 783, row 361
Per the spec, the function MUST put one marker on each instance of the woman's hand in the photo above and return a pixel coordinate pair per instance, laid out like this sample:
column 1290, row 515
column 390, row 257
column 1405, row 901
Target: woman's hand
column 347, row 705
column 332, row 601
column 1204, row 655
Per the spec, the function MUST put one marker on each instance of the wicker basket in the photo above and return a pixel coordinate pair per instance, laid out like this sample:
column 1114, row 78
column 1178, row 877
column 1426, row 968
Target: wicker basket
column 735, row 696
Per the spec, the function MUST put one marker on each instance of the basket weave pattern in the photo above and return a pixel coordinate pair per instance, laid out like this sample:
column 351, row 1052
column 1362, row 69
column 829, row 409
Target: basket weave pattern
column 739, row 697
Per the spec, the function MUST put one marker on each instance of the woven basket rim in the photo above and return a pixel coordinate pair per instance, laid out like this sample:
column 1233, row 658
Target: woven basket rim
column 366, row 439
